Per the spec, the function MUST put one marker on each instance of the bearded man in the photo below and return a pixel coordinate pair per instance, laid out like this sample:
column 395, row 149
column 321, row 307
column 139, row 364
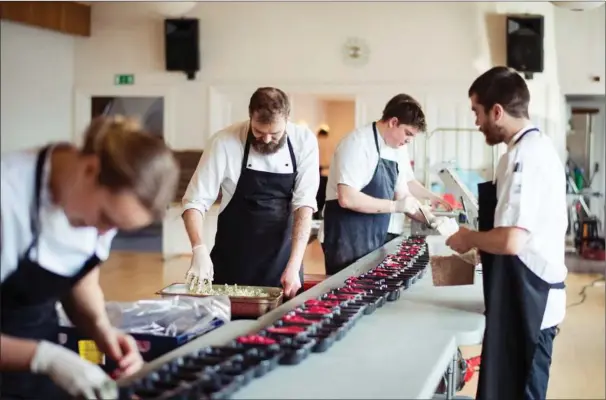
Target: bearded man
column 267, row 170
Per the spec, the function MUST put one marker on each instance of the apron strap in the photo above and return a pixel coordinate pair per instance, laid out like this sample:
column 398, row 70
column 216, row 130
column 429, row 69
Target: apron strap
column 559, row 285
column 246, row 149
column 35, row 207
column 374, row 129
column 524, row 134
column 292, row 155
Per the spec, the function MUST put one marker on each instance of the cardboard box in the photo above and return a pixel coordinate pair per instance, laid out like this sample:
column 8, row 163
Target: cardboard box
column 451, row 271
column 448, row 268
column 150, row 346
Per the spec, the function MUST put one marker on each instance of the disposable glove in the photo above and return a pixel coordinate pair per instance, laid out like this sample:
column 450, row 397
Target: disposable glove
column 408, row 205
column 73, row 374
column 200, row 270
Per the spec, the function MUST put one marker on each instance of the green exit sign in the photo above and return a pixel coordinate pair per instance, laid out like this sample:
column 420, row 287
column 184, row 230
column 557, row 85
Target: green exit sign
column 124, row 79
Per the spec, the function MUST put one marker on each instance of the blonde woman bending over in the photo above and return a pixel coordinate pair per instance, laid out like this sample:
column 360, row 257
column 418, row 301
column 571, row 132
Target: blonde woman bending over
column 61, row 207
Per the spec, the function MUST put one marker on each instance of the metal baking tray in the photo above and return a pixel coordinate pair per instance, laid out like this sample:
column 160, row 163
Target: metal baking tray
column 241, row 306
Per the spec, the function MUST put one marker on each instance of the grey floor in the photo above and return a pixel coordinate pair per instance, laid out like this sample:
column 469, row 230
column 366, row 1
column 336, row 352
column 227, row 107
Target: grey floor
column 579, row 265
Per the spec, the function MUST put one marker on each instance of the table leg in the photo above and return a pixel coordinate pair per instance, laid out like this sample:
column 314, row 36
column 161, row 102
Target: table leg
column 450, row 378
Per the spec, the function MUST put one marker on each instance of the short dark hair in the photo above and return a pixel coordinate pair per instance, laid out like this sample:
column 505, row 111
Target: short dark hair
column 322, row 132
column 407, row 110
column 268, row 103
column 504, row 86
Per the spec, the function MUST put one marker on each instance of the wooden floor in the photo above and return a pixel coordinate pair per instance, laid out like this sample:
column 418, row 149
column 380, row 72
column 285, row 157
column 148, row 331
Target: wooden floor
column 578, row 369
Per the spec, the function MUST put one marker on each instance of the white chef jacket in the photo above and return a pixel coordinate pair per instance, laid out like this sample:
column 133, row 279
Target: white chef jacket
column 531, row 193
column 221, row 163
column 61, row 248
column 355, row 161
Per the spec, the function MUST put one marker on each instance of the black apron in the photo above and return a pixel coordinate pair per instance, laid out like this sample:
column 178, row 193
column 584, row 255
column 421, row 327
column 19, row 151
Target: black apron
column 254, row 232
column 28, row 311
column 515, row 300
column 350, row 235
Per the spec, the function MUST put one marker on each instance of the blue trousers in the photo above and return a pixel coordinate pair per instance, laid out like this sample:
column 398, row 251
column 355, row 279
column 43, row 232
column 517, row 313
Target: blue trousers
column 536, row 388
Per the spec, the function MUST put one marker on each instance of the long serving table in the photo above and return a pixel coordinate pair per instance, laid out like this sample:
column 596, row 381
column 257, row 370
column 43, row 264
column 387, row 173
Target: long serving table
column 402, row 350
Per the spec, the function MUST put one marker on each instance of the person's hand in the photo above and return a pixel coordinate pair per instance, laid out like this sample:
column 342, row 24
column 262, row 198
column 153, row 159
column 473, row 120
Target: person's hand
column 122, row 348
column 201, row 269
column 441, row 202
column 73, row 374
column 459, row 242
column 445, row 226
column 291, row 281
column 408, row 205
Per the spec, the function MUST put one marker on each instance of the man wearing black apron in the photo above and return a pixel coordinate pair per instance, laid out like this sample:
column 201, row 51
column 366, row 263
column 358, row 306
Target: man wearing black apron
column 365, row 187
column 522, row 226
column 268, row 198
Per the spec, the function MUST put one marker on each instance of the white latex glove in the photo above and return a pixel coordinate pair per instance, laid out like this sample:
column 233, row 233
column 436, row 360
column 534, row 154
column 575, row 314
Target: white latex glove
column 201, row 268
column 73, row 374
column 445, row 226
column 408, row 205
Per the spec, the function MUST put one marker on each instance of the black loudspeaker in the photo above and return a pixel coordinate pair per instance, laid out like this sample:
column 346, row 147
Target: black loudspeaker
column 525, row 43
column 181, row 43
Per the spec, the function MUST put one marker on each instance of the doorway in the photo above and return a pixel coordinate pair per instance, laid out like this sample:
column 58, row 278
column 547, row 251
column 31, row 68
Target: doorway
column 150, row 112
column 330, row 117
column 586, row 155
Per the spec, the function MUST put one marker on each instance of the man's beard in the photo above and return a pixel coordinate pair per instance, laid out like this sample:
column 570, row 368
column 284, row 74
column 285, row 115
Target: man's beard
column 493, row 134
column 268, row 148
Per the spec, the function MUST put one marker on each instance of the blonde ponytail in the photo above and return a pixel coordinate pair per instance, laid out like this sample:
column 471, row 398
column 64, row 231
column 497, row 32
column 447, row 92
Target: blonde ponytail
column 133, row 160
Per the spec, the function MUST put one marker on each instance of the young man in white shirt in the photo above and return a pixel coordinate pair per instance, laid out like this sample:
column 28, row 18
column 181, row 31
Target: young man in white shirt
column 521, row 238
column 267, row 171
column 366, row 185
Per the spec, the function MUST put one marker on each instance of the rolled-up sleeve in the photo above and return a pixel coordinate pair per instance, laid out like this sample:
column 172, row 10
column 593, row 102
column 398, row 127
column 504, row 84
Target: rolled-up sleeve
column 518, row 201
column 203, row 188
column 308, row 173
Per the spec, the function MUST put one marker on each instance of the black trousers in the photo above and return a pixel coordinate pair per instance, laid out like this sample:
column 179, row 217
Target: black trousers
column 536, row 388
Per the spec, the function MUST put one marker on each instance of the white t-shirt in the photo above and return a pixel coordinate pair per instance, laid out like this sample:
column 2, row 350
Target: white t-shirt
column 61, row 248
column 531, row 192
column 355, row 161
column 220, row 167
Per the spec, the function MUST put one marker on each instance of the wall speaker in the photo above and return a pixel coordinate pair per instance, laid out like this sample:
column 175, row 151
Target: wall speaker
column 525, row 43
column 181, row 45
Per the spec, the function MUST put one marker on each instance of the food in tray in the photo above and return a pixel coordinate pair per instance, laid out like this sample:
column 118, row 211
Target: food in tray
column 207, row 288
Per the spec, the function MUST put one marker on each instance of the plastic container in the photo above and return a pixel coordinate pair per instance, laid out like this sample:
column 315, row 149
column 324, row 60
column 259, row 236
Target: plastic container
column 324, row 340
column 296, row 351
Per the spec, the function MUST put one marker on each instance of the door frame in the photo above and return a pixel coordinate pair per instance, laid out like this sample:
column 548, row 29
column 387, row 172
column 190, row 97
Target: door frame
column 83, row 100
column 597, row 139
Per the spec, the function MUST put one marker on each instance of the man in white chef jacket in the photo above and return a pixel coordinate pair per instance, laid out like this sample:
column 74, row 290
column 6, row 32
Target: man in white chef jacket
column 521, row 238
column 367, row 183
column 267, row 171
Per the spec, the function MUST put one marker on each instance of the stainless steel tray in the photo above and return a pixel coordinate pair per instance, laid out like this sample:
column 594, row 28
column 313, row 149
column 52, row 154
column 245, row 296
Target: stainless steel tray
column 241, row 306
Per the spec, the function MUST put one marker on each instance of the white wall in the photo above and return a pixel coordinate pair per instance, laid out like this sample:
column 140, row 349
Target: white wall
column 431, row 51
column 37, row 78
column 581, row 41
